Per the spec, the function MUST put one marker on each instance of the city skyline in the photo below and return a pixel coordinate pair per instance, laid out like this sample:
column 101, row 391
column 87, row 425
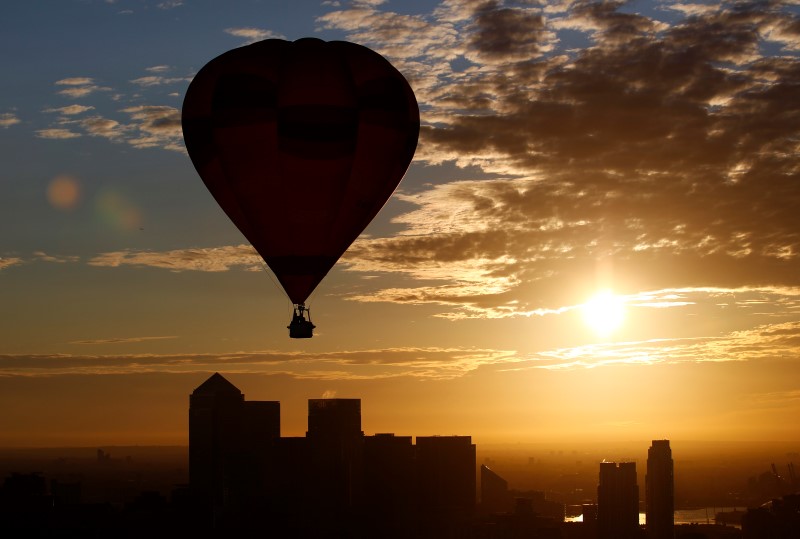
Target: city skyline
column 597, row 237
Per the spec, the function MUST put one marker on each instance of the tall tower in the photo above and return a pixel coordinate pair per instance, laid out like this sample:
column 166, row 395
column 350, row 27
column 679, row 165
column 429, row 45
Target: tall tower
column 215, row 414
column 227, row 437
column 660, row 491
column 617, row 501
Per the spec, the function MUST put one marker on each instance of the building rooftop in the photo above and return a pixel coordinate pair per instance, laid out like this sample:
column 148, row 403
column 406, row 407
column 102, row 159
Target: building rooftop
column 215, row 385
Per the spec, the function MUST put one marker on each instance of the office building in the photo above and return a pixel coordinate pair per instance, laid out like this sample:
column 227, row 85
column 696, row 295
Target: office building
column 389, row 497
column 660, row 492
column 334, row 482
column 617, row 501
column 227, row 438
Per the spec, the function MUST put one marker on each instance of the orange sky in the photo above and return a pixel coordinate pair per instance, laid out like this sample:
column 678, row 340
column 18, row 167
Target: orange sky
column 650, row 149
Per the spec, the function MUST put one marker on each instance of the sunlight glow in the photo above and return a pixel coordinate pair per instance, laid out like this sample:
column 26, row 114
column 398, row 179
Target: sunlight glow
column 604, row 313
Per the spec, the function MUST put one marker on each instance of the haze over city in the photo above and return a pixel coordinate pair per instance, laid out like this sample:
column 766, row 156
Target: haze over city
column 597, row 239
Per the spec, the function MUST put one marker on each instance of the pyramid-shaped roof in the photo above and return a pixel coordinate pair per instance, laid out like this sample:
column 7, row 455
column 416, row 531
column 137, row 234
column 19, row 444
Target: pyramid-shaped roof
column 215, row 385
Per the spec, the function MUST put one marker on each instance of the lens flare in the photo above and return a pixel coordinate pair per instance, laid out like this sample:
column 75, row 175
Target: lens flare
column 63, row 192
column 117, row 211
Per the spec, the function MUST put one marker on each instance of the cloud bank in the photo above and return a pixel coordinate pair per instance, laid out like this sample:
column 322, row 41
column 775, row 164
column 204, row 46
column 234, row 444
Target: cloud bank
column 663, row 154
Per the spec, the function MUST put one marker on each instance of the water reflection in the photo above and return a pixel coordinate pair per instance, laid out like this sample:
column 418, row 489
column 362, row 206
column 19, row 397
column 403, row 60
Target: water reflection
column 702, row 515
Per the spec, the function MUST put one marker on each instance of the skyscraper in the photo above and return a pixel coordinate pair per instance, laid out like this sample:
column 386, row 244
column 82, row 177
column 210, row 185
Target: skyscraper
column 227, row 437
column 660, row 491
column 617, row 501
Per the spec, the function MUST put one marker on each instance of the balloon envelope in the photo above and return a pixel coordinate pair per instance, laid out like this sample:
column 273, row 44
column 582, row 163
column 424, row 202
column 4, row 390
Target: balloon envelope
column 301, row 144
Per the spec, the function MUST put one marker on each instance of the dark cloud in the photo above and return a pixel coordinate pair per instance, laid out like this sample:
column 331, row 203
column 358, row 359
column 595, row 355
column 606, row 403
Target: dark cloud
column 506, row 32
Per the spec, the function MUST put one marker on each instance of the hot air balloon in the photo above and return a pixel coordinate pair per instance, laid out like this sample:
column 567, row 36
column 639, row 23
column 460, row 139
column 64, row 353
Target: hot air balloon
column 301, row 143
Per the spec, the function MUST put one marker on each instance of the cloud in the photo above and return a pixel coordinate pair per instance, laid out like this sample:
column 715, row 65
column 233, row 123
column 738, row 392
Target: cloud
column 764, row 343
column 155, row 80
column 7, row 262
column 769, row 343
column 205, row 259
column 372, row 364
column 251, row 35
column 60, row 259
column 7, row 119
column 125, row 340
column 75, row 81
column 156, row 126
column 98, row 126
column 77, row 87
column 147, row 126
column 666, row 152
column 56, row 133
column 507, row 34
column 70, row 110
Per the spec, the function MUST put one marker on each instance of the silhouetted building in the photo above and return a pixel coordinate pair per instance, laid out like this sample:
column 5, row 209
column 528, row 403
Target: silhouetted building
column 617, row 501
column 589, row 512
column 334, row 418
column 445, row 483
column 336, row 462
column 228, row 438
column 334, row 482
column 660, row 492
column 446, row 472
column 389, row 487
column 778, row 519
column 495, row 497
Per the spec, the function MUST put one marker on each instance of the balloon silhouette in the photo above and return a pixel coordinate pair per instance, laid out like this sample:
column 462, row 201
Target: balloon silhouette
column 301, row 144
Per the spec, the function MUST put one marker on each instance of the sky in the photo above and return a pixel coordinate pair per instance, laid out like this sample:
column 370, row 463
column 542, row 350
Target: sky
column 598, row 237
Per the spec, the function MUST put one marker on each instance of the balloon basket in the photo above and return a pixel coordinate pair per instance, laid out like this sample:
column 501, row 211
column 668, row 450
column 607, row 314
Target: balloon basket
column 301, row 327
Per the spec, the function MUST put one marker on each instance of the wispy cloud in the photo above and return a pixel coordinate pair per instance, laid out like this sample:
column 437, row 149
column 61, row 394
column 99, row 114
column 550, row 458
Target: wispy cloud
column 763, row 343
column 75, row 81
column 146, row 126
column 59, row 259
column 56, row 133
column 251, row 34
column 766, row 343
column 77, row 87
column 205, row 259
column 124, row 340
column 7, row 262
column 156, row 126
column 169, row 4
column 423, row 363
column 157, row 80
column 70, row 110
column 7, row 119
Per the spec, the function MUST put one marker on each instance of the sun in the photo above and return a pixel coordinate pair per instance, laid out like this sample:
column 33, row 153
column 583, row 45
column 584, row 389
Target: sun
column 604, row 313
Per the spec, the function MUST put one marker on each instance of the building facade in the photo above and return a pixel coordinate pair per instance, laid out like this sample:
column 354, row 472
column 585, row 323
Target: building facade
column 617, row 501
column 660, row 491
